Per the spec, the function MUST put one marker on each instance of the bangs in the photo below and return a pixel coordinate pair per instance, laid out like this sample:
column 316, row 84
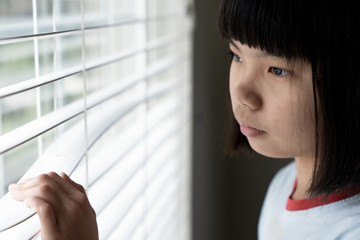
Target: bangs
column 278, row 27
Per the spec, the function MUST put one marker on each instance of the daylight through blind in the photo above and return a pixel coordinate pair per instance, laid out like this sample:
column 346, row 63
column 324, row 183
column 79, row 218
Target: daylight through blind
column 100, row 90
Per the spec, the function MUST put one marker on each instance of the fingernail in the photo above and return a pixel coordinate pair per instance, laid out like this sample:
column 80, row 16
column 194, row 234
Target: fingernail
column 13, row 190
column 13, row 187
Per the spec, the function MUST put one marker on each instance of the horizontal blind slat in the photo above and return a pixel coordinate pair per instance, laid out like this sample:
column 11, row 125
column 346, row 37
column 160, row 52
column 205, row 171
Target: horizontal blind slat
column 60, row 163
column 163, row 195
column 97, row 125
column 18, row 37
column 49, row 78
column 109, row 212
column 117, row 209
column 25, row 230
column 125, row 227
column 118, row 175
column 108, row 157
column 49, row 121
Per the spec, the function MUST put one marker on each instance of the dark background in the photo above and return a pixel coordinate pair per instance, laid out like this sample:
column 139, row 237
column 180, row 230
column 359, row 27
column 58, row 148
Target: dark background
column 227, row 192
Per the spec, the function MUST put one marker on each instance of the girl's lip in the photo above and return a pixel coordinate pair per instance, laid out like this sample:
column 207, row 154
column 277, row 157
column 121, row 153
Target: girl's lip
column 250, row 131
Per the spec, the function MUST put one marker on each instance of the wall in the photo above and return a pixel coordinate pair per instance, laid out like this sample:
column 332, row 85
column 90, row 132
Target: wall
column 227, row 192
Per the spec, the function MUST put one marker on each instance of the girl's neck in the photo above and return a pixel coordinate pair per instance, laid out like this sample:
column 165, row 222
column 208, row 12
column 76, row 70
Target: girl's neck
column 304, row 171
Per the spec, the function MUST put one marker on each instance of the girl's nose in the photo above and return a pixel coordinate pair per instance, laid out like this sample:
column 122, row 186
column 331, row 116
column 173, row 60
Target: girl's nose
column 247, row 98
column 245, row 92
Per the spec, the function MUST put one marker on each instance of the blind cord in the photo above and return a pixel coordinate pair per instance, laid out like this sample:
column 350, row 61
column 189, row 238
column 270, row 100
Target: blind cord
column 2, row 176
column 84, row 93
column 55, row 70
column 37, row 74
column 146, row 119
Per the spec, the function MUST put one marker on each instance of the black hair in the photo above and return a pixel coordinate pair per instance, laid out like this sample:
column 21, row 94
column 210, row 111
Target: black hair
column 323, row 34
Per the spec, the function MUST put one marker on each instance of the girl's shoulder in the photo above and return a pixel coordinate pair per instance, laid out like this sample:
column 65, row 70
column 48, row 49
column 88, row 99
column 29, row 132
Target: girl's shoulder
column 275, row 201
column 345, row 227
column 283, row 181
column 338, row 220
column 279, row 190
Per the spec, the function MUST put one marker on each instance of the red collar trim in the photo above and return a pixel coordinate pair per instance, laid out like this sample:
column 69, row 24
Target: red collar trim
column 303, row 204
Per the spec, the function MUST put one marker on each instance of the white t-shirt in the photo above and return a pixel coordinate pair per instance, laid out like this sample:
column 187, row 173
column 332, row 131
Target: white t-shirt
column 283, row 218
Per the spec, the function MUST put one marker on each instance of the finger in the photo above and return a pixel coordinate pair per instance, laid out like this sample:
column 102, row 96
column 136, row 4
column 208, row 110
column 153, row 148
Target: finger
column 69, row 180
column 31, row 182
column 44, row 191
column 64, row 185
column 51, row 178
column 42, row 184
column 16, row 186
column 49, row 228
column 51, row 188
column 68, row 185
column 77, row 186
column 75, row 192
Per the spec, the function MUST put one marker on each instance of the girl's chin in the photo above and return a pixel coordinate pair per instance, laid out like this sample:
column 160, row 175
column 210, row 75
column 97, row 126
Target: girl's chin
column 267, row 151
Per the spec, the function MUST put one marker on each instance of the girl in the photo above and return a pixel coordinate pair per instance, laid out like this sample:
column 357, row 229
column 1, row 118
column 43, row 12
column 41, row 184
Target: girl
column 295, row 92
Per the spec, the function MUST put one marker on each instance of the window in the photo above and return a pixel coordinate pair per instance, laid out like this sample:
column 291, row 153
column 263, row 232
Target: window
column 99, row 89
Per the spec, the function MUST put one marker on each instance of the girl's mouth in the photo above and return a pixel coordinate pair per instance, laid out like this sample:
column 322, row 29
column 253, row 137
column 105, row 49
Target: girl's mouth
column 250, row 131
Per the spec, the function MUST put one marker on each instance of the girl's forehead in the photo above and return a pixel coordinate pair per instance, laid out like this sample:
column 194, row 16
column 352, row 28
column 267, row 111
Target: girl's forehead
column 258, row 53
column 246, row 50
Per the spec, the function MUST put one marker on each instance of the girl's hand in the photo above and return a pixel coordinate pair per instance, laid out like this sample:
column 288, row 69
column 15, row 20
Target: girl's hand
column 63, row 207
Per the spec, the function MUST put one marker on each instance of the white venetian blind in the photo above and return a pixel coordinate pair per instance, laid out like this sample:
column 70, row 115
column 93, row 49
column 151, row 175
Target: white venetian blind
column 100, row 90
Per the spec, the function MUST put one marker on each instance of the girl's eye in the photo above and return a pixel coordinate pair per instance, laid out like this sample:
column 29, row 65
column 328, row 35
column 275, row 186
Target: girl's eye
column 237, row 58
column 278, row 71
column 234, row 56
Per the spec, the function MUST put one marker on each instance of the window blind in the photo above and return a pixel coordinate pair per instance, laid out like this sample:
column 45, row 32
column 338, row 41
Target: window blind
column 100, row 90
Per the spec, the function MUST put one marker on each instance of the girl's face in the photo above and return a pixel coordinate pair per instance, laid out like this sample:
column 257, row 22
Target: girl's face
column 272, row 100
